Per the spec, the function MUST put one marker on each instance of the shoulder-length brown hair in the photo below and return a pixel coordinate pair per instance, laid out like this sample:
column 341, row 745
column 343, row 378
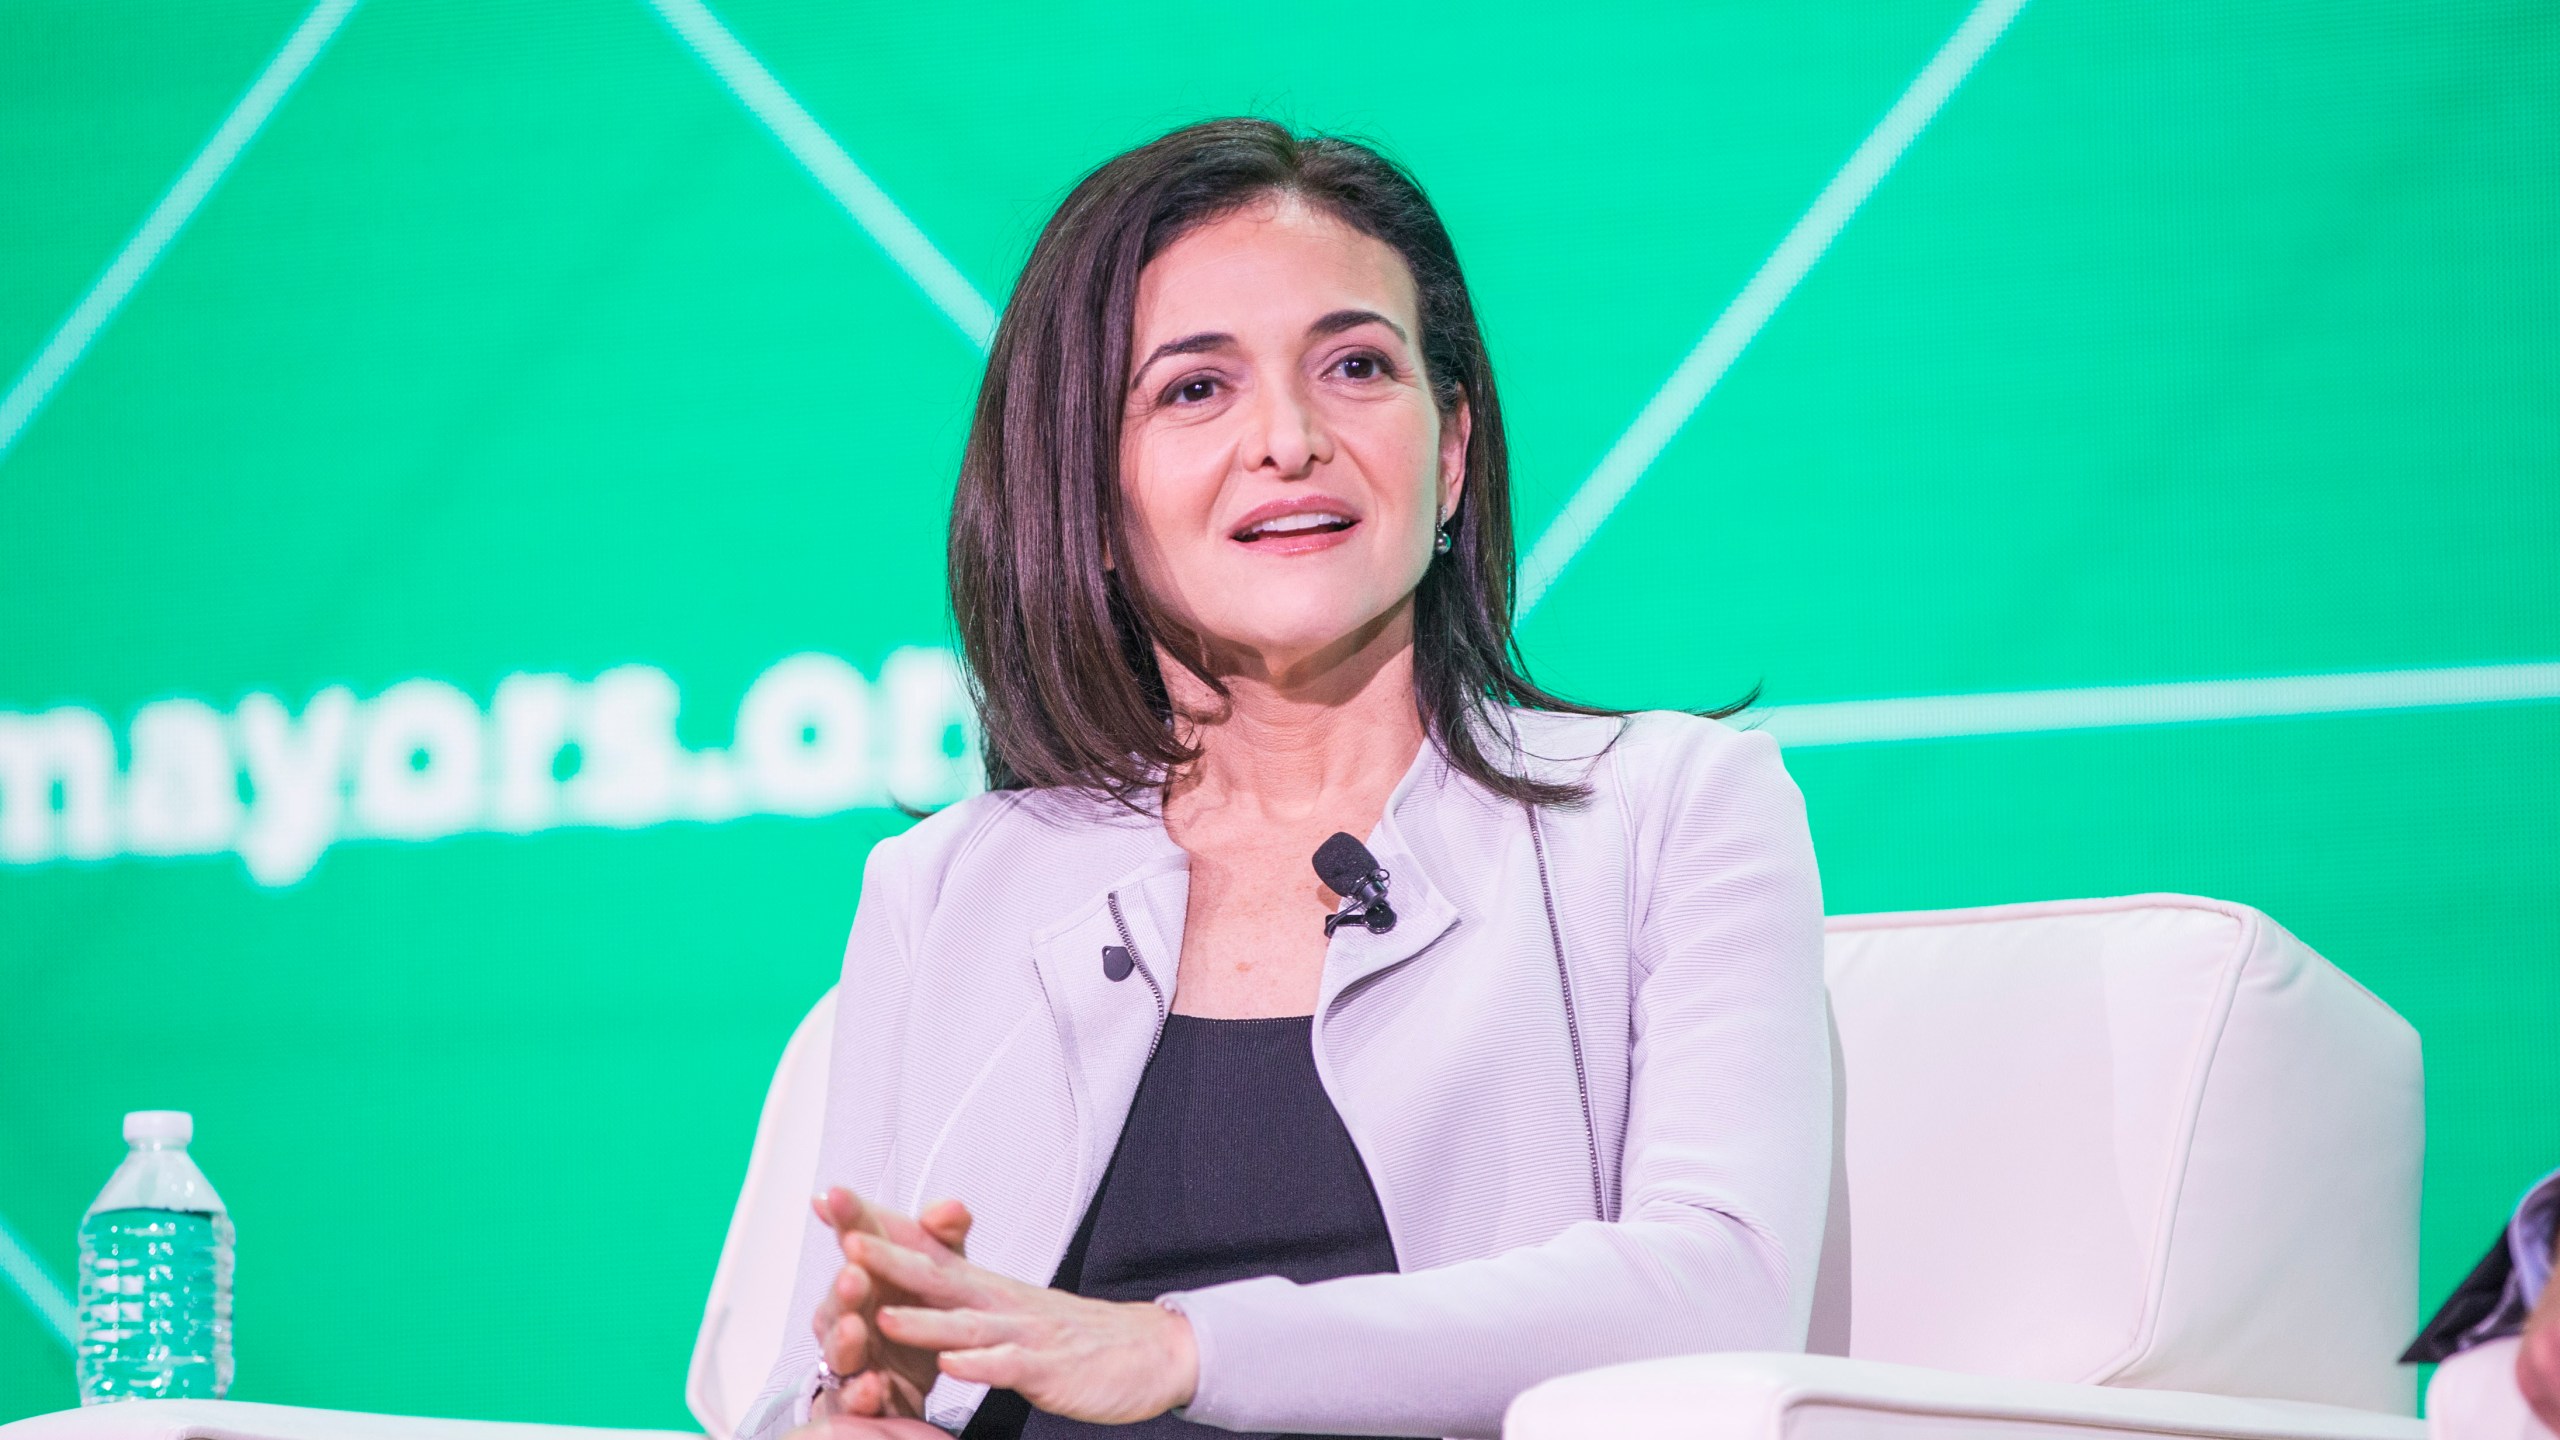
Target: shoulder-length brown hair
column 1062, row 649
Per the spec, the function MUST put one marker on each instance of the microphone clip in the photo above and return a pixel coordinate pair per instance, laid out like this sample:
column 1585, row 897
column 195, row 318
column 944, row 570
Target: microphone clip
column 1350, row 871
column 1378, row 915
column 1364, row 904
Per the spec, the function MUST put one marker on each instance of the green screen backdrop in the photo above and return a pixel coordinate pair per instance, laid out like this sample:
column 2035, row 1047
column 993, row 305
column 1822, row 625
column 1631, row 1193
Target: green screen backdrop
column 472, row 482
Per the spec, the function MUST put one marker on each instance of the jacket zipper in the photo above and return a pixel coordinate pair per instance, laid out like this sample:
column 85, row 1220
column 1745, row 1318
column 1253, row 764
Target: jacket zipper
column 1120, row 922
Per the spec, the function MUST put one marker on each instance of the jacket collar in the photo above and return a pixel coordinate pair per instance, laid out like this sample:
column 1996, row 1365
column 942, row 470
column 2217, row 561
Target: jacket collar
column 1152, row 893
column 1423, row 913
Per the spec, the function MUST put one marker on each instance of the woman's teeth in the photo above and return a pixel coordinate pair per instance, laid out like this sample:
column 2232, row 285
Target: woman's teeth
column 1297, row 525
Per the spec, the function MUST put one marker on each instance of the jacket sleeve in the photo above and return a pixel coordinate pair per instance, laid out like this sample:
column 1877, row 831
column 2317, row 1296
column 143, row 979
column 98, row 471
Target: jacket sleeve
column 869, row 1000
column 1725, row 1171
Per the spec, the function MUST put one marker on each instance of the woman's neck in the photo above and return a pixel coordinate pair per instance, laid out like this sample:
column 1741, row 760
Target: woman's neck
column 1308, row 741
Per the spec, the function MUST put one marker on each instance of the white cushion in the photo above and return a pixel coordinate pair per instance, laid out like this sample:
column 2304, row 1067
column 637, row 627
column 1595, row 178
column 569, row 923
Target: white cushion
column 1818, row 1397
column 2151, row 1141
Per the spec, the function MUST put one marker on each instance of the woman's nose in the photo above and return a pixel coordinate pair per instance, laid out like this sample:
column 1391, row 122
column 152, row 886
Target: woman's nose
column 1289, row 434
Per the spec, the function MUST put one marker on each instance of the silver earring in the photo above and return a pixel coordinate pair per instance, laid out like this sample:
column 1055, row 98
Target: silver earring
column 1445, row 543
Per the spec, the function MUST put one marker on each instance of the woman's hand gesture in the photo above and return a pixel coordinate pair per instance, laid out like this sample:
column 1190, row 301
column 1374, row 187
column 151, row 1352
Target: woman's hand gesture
column 887, row 1378
column 1095, row 1360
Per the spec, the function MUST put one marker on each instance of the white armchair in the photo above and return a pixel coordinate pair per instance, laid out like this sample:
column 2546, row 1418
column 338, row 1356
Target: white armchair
column 2145, row 1164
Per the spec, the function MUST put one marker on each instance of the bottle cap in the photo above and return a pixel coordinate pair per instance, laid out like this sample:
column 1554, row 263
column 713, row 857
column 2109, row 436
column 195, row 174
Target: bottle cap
column 166, row 1126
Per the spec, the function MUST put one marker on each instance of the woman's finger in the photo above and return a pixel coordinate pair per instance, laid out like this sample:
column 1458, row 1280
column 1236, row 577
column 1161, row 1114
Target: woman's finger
column 864, row 1394
column 948, row 1221
column 828, row 1310
column 928, row 1329
column 847, row 1345
column 823, row 1323
column 823, row 1205
column 1003, row 1366
column 897, row 1229
column 904, row 1233
column 851, row 1291
column 847, row 1212
column 945, row 1285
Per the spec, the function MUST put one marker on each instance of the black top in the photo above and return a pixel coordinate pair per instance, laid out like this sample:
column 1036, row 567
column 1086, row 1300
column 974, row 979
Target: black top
column 1233, row 1164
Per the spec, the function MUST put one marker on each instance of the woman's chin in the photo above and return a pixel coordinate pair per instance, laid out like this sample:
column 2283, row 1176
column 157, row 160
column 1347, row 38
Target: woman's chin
column 1280, row 644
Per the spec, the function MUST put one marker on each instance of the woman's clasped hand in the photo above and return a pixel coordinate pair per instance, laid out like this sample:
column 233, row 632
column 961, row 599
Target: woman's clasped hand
column 909, row 1305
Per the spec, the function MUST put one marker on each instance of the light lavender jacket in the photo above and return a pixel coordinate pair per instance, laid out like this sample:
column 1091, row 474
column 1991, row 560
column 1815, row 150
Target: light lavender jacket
column 1639, row 1170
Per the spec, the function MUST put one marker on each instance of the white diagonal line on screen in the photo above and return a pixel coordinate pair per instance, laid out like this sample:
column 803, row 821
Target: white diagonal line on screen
column 1937, row 717
column 1804, row 243
column 72, row 338
column 833, row 169
column 36, row 1285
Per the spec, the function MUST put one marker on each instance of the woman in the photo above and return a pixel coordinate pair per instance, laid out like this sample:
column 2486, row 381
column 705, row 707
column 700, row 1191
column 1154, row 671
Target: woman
column 1231, row 559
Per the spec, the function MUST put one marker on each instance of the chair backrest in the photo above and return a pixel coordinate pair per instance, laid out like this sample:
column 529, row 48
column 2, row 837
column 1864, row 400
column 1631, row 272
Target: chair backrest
column 2153, row 1141
column 748, row 1314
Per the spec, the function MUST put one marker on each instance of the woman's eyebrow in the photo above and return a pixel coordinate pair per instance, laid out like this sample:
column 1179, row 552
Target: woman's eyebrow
column 1341, row 320
column 1205, row 341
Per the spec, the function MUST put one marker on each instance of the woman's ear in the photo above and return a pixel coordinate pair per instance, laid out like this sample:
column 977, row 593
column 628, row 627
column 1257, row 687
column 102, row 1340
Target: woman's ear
column 1455, row 430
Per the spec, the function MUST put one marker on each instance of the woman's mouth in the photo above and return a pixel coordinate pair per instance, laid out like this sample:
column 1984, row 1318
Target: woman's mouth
column 1305, row 525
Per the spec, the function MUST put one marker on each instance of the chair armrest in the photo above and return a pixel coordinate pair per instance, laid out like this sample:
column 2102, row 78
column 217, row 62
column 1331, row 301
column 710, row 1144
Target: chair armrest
column 241, row 1420
column 1823, row 1397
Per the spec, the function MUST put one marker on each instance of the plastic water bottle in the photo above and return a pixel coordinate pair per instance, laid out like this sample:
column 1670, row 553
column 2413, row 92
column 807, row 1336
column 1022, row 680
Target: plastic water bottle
column 155, row 1274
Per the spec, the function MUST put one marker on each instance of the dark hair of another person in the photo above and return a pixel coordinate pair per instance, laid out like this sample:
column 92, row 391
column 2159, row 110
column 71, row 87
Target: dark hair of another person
column 1062, row 650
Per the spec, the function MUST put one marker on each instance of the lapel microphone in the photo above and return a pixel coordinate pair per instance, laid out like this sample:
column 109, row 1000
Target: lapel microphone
column 1350, row 871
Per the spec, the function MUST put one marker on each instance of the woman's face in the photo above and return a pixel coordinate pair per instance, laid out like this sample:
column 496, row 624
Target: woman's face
column 1283, row 461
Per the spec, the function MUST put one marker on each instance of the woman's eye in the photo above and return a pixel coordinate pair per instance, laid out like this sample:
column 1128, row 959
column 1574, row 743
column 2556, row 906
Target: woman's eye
column 1194, row 391
column 1361, row 367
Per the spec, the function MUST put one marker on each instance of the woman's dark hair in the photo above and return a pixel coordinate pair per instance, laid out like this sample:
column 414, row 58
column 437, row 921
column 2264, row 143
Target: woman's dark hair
column 1061, row 650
